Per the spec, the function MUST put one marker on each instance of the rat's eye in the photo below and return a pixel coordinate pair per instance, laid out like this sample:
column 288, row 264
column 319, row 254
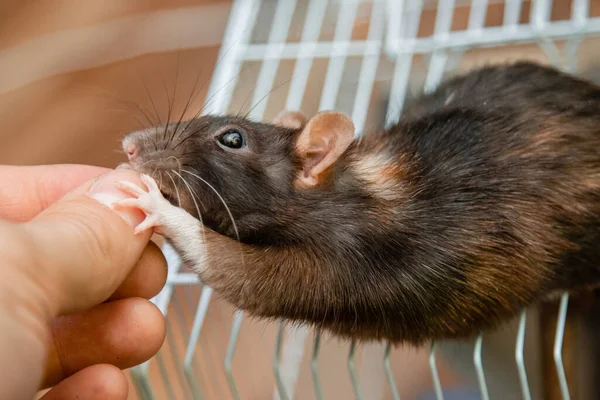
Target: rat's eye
column 232, row 139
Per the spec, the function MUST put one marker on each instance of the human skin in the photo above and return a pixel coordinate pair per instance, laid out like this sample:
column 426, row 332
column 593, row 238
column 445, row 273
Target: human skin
column 75, row 284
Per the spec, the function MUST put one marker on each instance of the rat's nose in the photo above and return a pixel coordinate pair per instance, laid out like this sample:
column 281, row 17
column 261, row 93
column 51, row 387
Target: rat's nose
column 131, row 152
column 130, row 148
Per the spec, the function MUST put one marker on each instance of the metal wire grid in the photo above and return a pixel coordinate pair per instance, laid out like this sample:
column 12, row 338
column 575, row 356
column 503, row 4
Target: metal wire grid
column 397, row 38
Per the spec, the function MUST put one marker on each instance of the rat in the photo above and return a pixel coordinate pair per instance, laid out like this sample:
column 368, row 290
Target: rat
column 482, row 199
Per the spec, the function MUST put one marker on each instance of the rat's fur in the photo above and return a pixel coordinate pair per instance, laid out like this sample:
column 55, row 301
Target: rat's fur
column 482, row 199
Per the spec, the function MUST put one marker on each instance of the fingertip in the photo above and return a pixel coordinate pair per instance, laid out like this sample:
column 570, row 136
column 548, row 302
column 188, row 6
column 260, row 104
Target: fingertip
column 151, row 331
column 148, row 276
column 141, row 332
column 97, row 382
column 123, row 333
column 140, row 336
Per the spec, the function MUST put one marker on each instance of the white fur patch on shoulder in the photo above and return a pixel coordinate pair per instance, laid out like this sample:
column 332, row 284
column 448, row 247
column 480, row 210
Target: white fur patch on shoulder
column 382, row 173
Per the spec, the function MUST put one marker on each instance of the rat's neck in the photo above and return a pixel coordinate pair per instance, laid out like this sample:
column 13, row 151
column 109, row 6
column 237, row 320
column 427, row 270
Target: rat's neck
column 365, row 185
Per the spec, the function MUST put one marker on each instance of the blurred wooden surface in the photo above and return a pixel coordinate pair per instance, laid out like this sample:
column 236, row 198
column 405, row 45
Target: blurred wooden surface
column 80, row 116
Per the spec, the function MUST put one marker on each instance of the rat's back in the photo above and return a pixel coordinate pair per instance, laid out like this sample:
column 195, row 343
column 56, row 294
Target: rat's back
column 497, row 195
column 516, row 86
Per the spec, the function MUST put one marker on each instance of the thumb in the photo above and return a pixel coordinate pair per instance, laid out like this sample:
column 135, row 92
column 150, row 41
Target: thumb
column 82, row 247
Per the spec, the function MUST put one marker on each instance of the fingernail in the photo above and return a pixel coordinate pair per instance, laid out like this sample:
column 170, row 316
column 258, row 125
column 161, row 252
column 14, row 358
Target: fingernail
column 104, row 191
column 124, row 166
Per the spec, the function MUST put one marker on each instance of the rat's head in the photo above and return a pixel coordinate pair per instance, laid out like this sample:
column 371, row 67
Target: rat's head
column 252, row 168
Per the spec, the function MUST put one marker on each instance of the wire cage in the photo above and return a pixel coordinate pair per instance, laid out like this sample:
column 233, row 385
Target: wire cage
column 363, row 58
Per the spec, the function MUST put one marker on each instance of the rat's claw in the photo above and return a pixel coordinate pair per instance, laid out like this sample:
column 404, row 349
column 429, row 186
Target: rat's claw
column 130, row 188
column 150, row 183
column 132, row 203
column 151, row 202
column 151, row 221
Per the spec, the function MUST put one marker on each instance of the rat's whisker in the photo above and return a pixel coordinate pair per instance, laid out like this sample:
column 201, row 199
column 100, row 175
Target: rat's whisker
column 175, row 90
column 140, row 167
column 175, row 187
column 220, row 198
column 153, row 174
column 209, row 100
column 143, row 111
column 266, row 95
column 182, row 141
column 176, row 159
column 237, row 234
column 148, row 136
column 128, row 111
column 184, row 138
column 169, row 105
column 193, row 95
column 117, row 109
column 193, row 193
column 191, row 153
column 189, row 136
column 204, row 84
column 160, row 175
column 139, row 122
column 114, row 96
column 202, row 229
column 154, row 143
column 245, row 100
column 146, row 163
column 140, row 109
column 151, row 101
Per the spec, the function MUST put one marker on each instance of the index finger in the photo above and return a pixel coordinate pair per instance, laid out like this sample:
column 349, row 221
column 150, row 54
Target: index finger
column 27, row 190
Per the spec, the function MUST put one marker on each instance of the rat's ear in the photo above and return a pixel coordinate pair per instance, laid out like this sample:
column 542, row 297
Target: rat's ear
column 326, row 136
column 290, row 119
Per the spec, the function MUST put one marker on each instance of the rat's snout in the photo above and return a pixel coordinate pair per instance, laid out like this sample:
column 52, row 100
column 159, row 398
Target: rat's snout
column 130, row 149
column 145, row 156
column 133, row 144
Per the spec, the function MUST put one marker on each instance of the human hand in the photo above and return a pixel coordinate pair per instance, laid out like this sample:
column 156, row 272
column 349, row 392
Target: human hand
column 74, row 283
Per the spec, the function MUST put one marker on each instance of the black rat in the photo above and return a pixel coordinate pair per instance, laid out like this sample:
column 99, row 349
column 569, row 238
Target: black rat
column 482, row 199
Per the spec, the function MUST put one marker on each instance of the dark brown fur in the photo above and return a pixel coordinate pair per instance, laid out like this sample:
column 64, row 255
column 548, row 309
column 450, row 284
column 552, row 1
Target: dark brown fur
column 484, row 198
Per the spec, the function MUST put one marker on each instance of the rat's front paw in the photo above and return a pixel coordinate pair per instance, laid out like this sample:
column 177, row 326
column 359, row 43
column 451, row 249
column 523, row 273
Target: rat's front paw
column 151, row 202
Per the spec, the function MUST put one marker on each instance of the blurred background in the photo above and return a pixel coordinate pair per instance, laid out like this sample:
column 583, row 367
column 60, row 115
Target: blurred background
column 72, row 72
column 75, row 76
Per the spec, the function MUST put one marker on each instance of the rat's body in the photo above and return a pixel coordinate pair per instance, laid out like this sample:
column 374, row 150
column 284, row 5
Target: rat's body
column 483, row 199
